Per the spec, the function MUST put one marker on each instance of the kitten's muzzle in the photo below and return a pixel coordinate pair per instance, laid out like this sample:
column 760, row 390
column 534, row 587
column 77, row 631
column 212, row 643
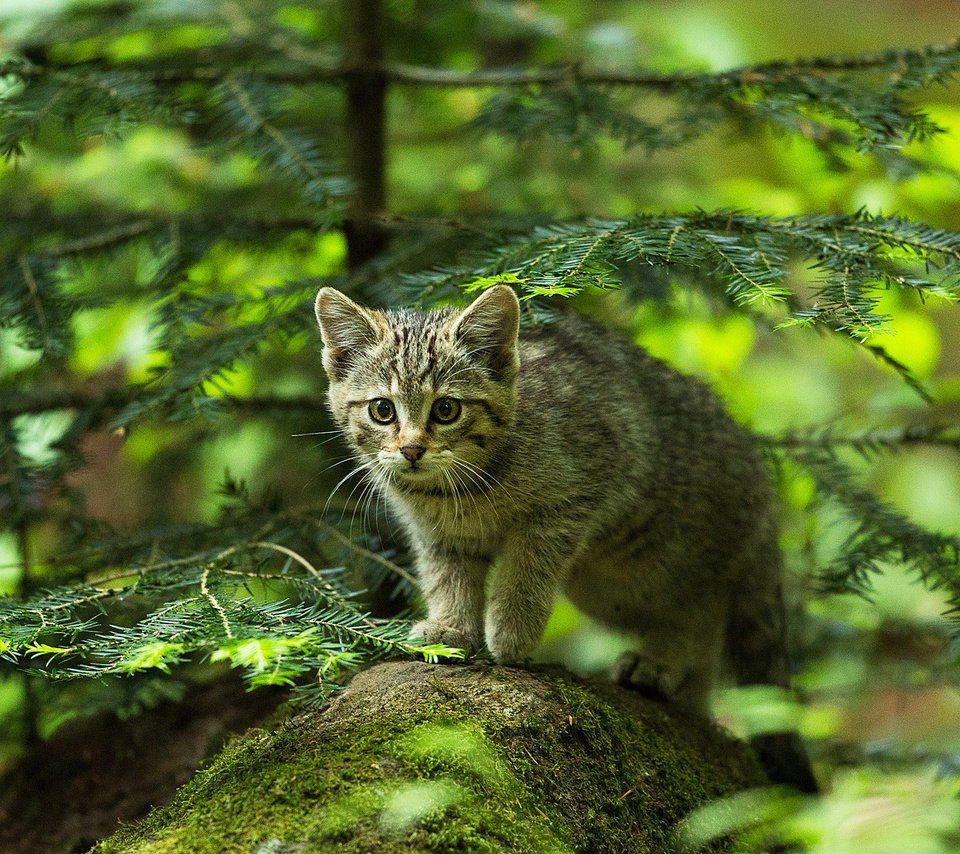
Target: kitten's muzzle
column 413, row 452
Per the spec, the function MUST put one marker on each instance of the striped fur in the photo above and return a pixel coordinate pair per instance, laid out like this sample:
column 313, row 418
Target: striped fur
column 579, row 463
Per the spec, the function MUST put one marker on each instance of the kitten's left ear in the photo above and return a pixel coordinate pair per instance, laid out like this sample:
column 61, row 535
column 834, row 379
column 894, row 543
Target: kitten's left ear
column 346, row 329
column 489, row 327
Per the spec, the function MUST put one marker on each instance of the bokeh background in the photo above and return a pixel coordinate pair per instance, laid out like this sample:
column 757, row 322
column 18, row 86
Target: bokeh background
column 878, row 677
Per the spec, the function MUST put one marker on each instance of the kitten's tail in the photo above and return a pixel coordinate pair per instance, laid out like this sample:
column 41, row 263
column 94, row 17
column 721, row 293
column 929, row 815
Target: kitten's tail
column 757, row 651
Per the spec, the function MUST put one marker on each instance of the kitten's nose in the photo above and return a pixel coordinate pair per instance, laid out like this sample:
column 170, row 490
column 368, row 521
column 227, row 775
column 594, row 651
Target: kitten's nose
column 413, row 452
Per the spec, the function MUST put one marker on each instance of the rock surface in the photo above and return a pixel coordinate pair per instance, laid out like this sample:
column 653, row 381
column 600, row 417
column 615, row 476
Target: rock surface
column 426, row 757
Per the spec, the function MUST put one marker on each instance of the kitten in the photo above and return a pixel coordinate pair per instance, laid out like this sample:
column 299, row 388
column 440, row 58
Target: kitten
column 581, row 464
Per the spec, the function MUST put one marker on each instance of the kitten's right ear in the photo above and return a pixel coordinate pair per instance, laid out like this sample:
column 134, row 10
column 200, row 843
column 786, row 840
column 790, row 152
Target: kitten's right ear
column 489, row 327
column 346, row 328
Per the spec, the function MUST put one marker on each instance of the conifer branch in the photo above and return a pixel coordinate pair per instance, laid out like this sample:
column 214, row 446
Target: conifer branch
column 272, row 640
column 937, row 61
column 199, row 588
column 879, row 533
column 901, row 369
column 566, row 101
column 869, row 442
column 857, row 256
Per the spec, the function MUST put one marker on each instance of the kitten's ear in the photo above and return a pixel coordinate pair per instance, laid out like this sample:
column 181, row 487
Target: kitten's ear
column 346, row 328
column 489, row 327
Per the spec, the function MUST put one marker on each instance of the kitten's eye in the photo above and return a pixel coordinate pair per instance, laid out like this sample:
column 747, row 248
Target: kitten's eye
column 445, row 410
column 381, row 410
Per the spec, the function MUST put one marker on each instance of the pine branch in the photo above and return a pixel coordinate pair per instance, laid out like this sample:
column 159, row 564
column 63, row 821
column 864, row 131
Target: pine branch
column 866, row 109
column 913, row 66
column 857, row 256
column 201, row 609
column 869, row 442
column 880, row 534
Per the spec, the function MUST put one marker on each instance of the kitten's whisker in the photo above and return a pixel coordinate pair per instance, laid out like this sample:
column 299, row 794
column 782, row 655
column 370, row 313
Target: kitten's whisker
column 458, row 495
column 465, row 483
column 446, row 504
column 456, row 508
column 334, row 465
column 345, row 503
column 373, row 501
column 383, row 480
column 321, row 444
column 469, row 478
column 367, row 470
column 483, row 481
column 377, row 497
column 361, row 470
column 363, row 502
column 486, row 478
column 345, row 478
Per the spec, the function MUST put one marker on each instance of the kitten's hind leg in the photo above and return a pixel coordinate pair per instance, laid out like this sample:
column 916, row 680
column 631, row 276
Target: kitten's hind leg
column 651, row 678
column 679, row 664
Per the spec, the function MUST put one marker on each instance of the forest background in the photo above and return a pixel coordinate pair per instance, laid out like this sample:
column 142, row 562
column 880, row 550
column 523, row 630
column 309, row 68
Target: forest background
column 161, row 374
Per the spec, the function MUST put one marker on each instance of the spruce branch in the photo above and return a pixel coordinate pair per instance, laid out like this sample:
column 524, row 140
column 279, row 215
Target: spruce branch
column 909, row 66
column 200, row 609
column 855, row 255
column 856, row 100
column 867, row 443
column 879, row 534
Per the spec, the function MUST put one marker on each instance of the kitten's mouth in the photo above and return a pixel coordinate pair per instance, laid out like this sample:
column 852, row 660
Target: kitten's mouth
column 416, row 470
column 411, row 470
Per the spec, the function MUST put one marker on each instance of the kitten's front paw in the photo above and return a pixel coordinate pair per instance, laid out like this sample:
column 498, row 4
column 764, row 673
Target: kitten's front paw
column 431, row 631
column 651, row 678
column 509, row 639
column 506, row 649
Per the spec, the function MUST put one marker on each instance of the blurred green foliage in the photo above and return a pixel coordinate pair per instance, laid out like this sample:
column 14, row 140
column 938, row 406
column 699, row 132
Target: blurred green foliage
column 171, row 254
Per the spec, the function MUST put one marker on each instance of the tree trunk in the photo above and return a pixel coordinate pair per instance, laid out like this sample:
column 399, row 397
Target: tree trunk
column 365, row 128
column 421, row 757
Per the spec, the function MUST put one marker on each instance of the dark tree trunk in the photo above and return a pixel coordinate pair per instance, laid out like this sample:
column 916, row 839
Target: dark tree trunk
column 364, row 128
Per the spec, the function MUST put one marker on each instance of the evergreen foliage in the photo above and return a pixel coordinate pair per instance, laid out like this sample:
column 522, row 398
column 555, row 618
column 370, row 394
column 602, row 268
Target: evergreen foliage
column 273, row 587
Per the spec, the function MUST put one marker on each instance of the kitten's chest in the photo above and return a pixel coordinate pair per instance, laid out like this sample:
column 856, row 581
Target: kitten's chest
column 475, row 517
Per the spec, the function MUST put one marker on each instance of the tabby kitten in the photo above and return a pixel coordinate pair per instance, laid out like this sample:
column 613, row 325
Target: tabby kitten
column 580, row 464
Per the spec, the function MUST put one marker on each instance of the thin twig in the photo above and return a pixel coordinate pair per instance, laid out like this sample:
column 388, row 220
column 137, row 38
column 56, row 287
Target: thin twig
column 360, row 550
column 104, row 239
column 31, row 283
column 216, row 604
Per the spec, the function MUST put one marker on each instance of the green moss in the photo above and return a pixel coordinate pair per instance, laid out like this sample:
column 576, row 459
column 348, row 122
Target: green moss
column 417, row 757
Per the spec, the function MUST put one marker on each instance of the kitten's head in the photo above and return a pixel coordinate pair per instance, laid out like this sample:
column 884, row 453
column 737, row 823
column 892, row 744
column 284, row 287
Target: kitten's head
column 424, row 399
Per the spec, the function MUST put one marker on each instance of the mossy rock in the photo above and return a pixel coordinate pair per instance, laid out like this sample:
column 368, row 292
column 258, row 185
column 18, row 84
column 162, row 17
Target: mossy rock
column 421, row 757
